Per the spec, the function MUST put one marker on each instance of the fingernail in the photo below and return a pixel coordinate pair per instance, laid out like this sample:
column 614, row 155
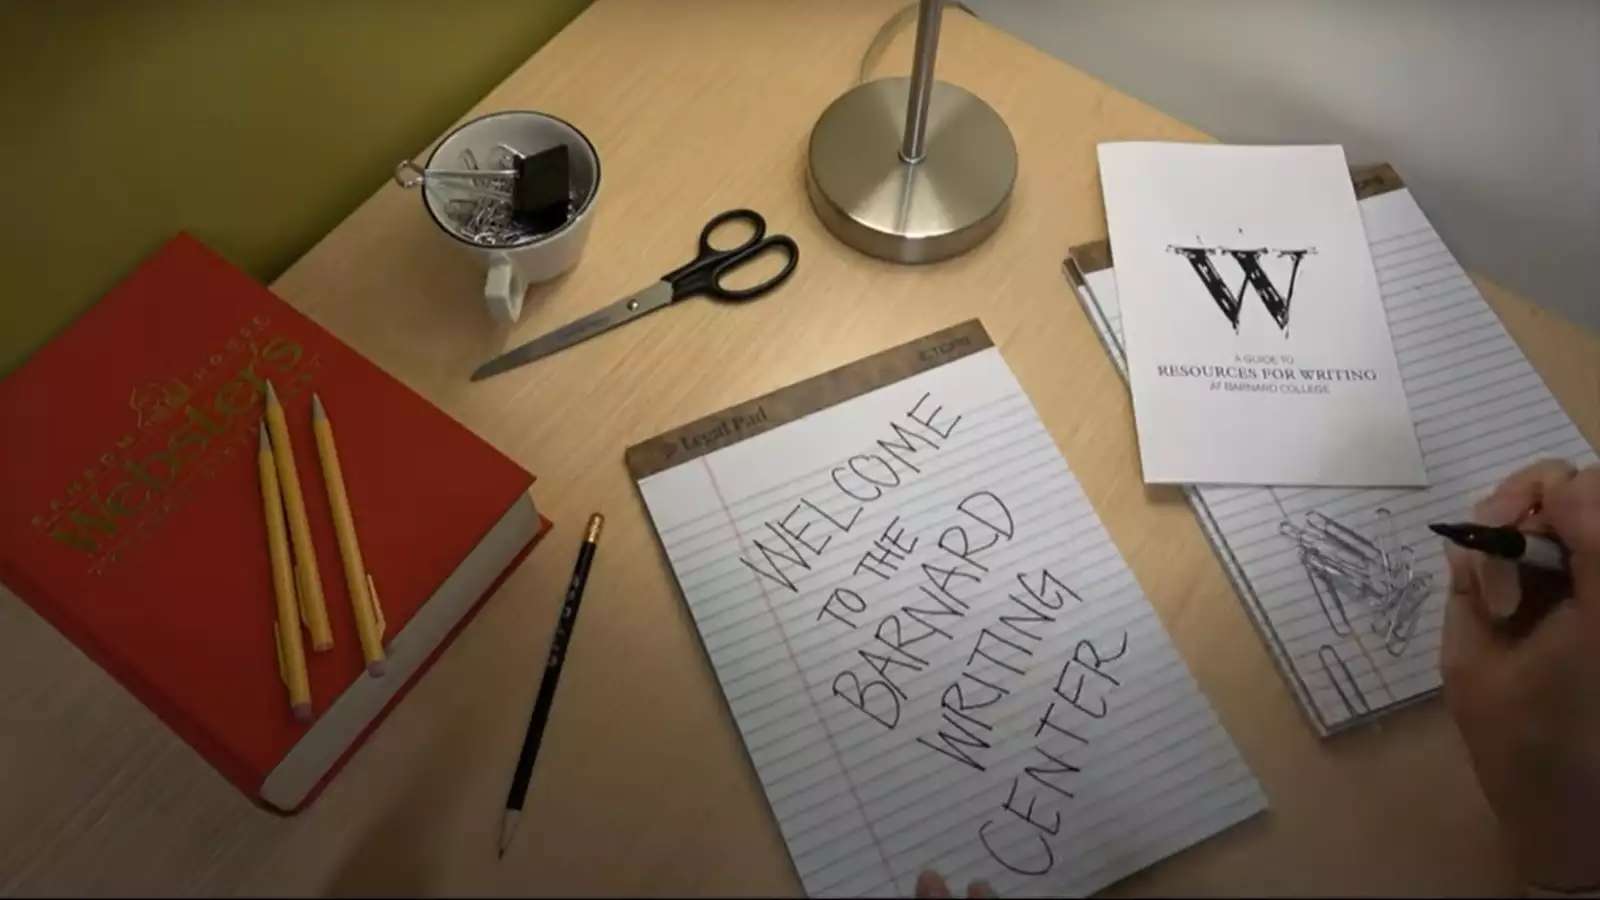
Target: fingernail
column 1502, row 606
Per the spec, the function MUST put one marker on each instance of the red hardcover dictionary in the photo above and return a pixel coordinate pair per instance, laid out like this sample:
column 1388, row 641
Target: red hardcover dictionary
column 131, row 519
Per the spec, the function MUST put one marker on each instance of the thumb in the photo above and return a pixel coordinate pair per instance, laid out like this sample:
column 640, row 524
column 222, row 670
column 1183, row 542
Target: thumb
column 1572, row 510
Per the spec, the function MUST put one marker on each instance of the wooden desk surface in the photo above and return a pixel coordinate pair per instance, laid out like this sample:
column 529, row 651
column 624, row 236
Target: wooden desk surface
column 643, row 785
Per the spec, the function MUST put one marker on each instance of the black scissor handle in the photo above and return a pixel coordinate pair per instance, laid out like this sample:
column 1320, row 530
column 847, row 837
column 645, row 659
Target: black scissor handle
column 704, row 274
column 707, row 255
column 758, row 230
column 778, row 243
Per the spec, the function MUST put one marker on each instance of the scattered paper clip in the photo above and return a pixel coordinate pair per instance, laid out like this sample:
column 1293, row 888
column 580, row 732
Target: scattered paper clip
column 1350, row 571
column 476, row 201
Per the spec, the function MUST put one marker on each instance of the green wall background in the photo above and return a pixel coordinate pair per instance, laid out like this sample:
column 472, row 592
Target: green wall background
column 256, row 126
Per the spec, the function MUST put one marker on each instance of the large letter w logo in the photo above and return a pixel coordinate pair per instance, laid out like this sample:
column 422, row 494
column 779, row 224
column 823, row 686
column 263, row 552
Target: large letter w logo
column 1255, row 278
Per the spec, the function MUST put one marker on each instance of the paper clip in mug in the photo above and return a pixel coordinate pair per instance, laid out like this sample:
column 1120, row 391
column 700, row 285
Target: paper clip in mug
column 496, row 184
column 527, row 214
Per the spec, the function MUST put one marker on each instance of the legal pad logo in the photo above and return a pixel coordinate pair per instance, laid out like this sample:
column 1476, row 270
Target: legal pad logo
column 1253, row 264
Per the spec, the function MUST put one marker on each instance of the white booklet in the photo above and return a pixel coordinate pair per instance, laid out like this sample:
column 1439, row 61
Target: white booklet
column 934, row 652
column 1258, row 349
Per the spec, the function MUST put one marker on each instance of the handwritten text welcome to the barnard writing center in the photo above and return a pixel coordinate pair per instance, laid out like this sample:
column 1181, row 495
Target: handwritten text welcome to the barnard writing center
column 955, row 576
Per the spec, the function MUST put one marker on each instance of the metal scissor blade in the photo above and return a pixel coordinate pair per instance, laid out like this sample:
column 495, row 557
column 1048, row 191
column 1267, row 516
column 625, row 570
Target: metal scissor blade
column 627, row 309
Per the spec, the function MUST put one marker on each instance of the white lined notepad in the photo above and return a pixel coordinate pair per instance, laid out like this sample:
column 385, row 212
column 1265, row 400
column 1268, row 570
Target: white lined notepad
column 934, row 653
column 1481, row 412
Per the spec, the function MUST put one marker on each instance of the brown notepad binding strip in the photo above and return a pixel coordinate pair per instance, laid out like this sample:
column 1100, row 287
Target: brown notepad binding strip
column 801, row 399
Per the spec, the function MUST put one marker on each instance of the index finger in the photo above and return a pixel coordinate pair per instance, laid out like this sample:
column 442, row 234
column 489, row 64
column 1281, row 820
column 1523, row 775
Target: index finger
column 1522, row 492
column 1573, row 513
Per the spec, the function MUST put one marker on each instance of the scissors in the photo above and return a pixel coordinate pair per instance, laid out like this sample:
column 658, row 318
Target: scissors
column 703, row 275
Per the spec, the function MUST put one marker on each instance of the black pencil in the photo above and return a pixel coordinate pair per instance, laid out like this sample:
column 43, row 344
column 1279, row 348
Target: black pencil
column 547, row 687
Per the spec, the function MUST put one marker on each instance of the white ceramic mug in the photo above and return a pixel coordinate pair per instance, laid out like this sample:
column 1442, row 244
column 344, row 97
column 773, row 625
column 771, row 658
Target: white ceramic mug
column 512, row 267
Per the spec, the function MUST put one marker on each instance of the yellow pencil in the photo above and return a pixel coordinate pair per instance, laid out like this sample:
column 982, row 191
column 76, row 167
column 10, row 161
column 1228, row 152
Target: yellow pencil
column 286, row 633
column 363, row 596
column 312, row 606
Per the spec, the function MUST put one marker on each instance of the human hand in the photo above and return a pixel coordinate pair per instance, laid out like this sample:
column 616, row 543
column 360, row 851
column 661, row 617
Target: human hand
column 1527, row 701
column 931, row 884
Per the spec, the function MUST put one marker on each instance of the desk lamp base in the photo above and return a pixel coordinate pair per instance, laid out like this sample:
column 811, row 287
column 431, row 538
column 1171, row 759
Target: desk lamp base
column 933, row 209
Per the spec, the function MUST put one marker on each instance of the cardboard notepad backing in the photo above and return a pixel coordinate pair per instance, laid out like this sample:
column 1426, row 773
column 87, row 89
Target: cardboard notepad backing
column 1481, row 412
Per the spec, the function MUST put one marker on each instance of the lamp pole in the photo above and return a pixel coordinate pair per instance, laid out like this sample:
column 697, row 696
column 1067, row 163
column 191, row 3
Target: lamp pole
column 929, row 15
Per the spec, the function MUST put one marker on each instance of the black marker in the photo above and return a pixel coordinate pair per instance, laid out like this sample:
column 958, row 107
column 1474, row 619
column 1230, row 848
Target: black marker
column 547, row 687
column 1529, row 550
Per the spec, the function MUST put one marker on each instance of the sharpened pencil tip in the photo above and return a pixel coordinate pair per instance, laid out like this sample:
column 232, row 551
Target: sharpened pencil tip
column 272, row 395
column 508, row 827
column 316, row 408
